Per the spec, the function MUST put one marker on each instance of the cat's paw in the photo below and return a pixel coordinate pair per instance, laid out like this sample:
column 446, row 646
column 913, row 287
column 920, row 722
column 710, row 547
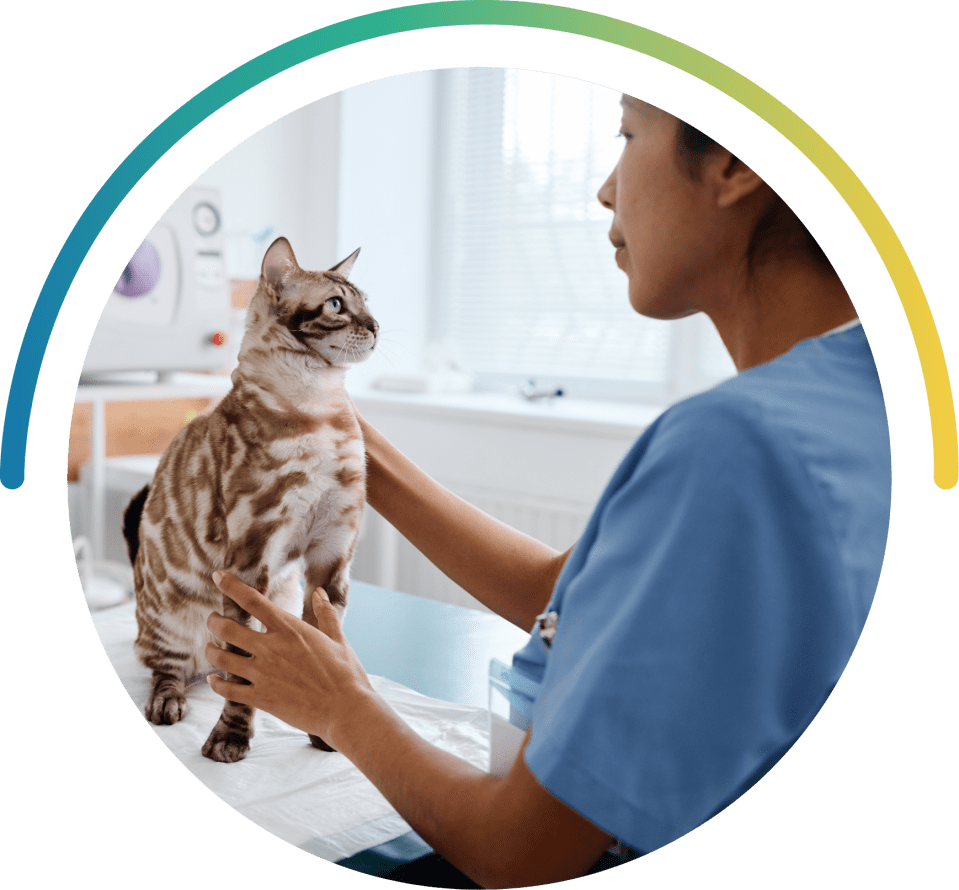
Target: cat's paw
column 166, row 707
column 319, row 743
column 225, row 746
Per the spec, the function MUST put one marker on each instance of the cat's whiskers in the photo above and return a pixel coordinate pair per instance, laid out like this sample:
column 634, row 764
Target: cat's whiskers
column 339, row 355
column 383, row 349
column 387, row 357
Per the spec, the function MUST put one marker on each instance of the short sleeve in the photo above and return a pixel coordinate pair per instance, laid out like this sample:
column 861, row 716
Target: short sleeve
column 702, row 624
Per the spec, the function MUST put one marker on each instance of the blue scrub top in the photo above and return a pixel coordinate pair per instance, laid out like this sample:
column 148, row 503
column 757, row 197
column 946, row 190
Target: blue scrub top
column 716, row 594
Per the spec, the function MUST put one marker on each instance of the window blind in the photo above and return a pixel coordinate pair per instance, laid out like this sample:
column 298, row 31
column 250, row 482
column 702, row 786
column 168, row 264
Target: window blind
column 526, row 283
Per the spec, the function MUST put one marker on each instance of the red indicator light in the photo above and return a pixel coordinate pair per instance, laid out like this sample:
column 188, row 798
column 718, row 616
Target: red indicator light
column 218, row 339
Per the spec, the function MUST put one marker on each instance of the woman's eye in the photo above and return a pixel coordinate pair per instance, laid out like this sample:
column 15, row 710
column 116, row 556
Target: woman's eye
column 622, row 134
column 334, row 303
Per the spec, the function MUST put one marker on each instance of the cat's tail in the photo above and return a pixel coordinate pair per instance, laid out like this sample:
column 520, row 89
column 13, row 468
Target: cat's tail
column 131, row 522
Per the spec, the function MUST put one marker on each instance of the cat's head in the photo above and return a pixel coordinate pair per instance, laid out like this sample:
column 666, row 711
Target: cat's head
column 317, row 315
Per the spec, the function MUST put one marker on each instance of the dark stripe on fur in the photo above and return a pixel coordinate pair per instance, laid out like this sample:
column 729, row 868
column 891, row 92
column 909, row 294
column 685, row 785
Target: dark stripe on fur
column 131, row 522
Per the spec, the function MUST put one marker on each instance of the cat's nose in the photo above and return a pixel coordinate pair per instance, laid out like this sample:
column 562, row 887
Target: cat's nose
column 372, row 326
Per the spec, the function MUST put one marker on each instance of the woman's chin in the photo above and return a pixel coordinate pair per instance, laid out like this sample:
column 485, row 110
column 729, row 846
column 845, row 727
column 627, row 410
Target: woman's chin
column 647, row 305
column 658, row 306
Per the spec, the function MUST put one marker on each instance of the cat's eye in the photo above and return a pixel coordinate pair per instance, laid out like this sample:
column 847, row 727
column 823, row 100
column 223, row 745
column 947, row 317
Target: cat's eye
column 335, row 303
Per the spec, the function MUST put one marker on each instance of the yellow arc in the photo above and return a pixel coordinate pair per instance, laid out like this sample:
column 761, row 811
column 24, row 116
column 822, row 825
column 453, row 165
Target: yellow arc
column 489, row 12
column 942, row 412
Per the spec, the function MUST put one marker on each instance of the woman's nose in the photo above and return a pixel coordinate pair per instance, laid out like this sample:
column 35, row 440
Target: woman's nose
column 607, row 192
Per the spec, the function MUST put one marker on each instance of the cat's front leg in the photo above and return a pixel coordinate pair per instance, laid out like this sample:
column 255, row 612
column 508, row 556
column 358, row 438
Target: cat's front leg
column 162, row 648
column 167, row 701
column 335, row 580
column 229, row 740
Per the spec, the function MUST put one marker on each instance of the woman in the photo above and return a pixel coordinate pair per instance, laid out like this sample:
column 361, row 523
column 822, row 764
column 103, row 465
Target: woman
column 717, row 591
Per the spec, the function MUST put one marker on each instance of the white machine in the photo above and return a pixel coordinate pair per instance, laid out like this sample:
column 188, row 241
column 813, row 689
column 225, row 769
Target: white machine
column 170, row 309
column 169, row 312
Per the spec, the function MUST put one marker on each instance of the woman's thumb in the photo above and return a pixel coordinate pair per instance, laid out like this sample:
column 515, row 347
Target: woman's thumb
column 327, row 619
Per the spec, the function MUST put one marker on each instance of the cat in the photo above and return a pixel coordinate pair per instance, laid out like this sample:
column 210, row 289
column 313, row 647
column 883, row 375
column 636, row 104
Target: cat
column 270, row 485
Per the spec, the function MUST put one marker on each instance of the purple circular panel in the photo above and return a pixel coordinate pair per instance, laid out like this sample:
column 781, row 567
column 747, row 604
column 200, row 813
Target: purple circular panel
column 142, row 272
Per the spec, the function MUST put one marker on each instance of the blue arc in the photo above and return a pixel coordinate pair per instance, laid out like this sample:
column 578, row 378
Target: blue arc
column 115, row 189
column 440, row 13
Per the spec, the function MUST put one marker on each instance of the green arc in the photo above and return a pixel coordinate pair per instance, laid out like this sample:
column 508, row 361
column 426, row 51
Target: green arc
column 919, row 317
column 483, row 12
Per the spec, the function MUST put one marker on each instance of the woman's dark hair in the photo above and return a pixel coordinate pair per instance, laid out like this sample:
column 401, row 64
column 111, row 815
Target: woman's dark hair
column 770, row 235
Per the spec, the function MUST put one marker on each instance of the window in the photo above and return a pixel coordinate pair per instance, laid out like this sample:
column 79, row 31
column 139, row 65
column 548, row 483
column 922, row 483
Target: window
column 524, row 278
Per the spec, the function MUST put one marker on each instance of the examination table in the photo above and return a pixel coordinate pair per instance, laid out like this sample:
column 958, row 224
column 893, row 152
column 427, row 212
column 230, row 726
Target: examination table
column 429, row 660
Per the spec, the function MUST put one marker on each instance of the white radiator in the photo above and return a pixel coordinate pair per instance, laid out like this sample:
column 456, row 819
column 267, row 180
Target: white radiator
column 555, row 523
column 539, row 468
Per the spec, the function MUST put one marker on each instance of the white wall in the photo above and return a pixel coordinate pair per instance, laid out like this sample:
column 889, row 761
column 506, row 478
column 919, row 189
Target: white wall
column 284, row 178
column 352, row 170
column 386, row 193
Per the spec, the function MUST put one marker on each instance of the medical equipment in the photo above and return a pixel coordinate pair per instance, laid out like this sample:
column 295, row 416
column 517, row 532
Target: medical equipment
column 170, row 308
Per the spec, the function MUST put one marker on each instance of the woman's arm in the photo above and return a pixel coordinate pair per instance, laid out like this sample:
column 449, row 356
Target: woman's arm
column 506, row 570
column 507, row 832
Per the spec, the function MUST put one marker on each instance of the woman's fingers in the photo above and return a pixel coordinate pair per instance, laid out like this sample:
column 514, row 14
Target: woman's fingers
column 231, row 662
column 327, row 619
column 235, row 692
column 248, row 599
column 307, row 676
column 229, row 631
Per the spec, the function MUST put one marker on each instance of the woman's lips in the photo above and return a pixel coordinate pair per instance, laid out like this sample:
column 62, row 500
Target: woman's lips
column 619, row 244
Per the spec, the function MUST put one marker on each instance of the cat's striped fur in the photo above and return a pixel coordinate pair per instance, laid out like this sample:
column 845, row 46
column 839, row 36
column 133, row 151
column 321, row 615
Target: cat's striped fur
column 269, row 484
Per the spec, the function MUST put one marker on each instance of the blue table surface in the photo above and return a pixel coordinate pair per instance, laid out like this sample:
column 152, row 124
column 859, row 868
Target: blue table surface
column 438, row 649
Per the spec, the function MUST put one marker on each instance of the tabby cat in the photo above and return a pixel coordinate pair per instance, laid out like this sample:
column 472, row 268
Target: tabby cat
column 268, row 484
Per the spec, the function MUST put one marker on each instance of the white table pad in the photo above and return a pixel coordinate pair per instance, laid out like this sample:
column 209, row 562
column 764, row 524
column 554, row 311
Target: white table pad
column 313, row 799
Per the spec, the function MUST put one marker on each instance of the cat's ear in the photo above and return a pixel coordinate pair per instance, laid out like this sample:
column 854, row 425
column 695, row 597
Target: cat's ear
column 343, row 267
column 279, row 264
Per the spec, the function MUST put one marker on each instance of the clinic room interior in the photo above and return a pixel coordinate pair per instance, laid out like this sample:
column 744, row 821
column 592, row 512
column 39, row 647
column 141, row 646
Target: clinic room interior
column 510, row 366
column 542, row 352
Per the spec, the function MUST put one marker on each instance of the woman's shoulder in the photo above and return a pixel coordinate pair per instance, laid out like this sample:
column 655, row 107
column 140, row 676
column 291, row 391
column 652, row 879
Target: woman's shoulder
column 803, row 416
column 820, row 385
column 718, row 421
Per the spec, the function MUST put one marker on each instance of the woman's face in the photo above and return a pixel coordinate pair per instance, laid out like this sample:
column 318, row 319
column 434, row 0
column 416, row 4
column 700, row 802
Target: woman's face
column 664, row 228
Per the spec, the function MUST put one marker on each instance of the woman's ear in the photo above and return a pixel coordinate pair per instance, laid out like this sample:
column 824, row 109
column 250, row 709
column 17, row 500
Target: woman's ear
column 730, row 179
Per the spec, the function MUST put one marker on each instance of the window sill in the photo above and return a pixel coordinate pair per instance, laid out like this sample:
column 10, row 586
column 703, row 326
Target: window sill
column 563, row 414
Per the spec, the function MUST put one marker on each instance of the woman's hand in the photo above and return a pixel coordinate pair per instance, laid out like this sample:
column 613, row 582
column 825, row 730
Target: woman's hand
column 506, row 570
column 507, row 832
column 307, row 677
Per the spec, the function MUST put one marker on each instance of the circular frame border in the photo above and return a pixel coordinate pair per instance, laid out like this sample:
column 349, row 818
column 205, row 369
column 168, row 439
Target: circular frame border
column 453, row 13
column 482, row 12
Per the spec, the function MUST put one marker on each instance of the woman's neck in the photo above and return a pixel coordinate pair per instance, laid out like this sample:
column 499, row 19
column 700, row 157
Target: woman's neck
column 780, row 305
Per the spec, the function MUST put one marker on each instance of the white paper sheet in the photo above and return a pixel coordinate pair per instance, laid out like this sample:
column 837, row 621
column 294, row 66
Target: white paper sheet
column 315, row 800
